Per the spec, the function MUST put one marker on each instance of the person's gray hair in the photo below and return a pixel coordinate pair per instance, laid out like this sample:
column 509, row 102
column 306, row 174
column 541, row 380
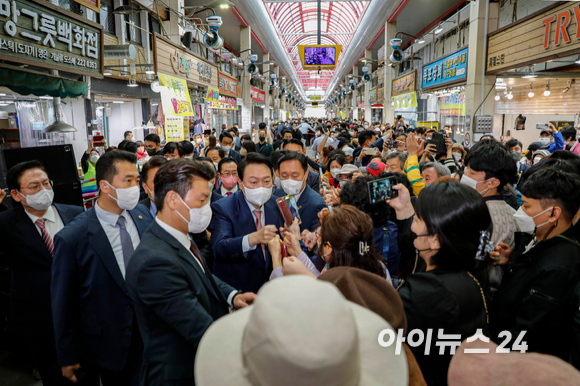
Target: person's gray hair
column 401, row 156
column 442, row 170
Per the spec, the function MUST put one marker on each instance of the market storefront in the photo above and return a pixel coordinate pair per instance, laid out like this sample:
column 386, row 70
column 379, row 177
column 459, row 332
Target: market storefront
column 535, row 81
column 259, row 106
column 223, row 110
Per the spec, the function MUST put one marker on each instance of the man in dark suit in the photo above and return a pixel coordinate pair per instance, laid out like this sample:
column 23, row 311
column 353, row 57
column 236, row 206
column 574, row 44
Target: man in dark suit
column 226, row 142
column 147, row 178
column 313, row 179
column 26, row 239
column 293, row 170
column 243, row 224
column 94, row 322
column 153, row 145
column 176, row 297
column 263, row 146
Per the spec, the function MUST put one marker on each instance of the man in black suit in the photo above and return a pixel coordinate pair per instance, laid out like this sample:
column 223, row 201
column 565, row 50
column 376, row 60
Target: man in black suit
column 26, row 239
column 153, row 145
column 147, row 177
column 94, row 322
column 176, row 297
column 226, row 142
column 313, row 179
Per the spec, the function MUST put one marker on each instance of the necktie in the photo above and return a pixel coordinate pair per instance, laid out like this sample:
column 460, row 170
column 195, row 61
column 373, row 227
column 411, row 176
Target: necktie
column 258, row 215
column 228, row 194
column 45, row 236
column 197, row 255
column 126, row 243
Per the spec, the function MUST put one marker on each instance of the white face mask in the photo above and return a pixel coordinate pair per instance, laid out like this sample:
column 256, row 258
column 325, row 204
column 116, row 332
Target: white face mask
column 211, row 185
column 335, row 172
column 545, row 141
column 199, row 141
column 188, row 157
column 526, row 222
column 94, row 158
column 127, row 198
column 199, row 218
column 278, row 182
column 151, row 193
column 226, row 148
column 466, row 180
column 292, row 187
column 457, row 157
column 41, row 200
column 537, row 159
column 258, row 196
column 215, row 165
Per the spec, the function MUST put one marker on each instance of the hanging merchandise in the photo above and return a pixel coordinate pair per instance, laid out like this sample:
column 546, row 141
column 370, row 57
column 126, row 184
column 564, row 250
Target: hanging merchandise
column 175, row 96
column 520, row 122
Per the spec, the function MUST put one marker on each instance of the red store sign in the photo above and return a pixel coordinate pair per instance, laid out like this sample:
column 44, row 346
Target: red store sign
column 228, row 86
column 258, row 96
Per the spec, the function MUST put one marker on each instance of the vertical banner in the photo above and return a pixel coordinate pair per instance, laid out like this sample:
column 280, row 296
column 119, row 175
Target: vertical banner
column 175, row 96
column 174, row 129
column 212, row 98
column 246, row 119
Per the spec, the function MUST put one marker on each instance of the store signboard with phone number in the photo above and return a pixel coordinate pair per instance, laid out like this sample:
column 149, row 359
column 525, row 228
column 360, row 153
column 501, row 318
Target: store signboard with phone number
column 448, row 70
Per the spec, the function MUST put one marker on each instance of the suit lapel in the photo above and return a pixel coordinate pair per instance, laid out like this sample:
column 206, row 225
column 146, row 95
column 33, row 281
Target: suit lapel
column 25, row 226
column 100, row 243
column 141, row 225
column 302, row 201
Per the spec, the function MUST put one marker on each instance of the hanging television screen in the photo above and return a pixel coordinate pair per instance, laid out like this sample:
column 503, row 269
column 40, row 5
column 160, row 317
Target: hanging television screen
column 317, row 57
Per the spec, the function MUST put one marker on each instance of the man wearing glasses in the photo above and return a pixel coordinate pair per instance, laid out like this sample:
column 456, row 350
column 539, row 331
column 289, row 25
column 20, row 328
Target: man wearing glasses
column 228, row 175
column 26, row 240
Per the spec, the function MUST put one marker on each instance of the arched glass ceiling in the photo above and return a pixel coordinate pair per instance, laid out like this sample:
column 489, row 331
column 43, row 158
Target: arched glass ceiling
column 297, row 23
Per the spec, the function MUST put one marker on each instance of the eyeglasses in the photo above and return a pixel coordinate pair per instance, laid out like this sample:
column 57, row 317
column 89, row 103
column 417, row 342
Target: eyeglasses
column 228, row 174
column 34, row 187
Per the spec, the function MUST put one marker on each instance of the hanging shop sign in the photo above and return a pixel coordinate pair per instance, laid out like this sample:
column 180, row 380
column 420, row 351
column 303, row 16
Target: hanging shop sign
column 94, row 5
column 429, row 124
column 174, row 129
column 404, row 100
column 538, row 38
column 228, row 85
column 453, row 104
column 227, row 103
column 405, row 84
column 315, row 97
column 258, row 95
column 172, row 59
column 41, row 34
column 448, row 70
column 212, row 98
column 175, row 96
column 373, row 95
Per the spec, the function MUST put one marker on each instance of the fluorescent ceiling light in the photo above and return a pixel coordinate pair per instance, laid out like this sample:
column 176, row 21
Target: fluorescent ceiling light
column 118, row 102
column 438, row 29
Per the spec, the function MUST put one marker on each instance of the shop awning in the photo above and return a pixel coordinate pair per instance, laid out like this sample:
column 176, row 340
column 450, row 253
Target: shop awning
column 25, row 82
column 377, row 105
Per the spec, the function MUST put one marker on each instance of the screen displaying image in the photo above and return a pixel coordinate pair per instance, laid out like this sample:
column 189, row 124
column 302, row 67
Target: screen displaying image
column 319, row 56
column 382, row 189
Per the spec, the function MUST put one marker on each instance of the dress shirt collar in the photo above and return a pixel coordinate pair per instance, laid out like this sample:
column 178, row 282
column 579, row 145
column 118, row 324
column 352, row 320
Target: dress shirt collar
column 252, row 209
column 224, row 191
column 108, row 217
column 50, row 215
column 153, row 209
column 177, row 235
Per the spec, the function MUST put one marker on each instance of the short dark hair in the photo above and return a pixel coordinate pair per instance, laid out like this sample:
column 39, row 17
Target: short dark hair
column 178, row 176
column 221, row 151
column 249, row 146
column 106, row 168
column 15, row 173
column 294, row 156
column 365, row 135
column 513, row 143
column 227, row 160
column 262, row 126
column 568, row 132
column 153, row 138
column 187, row 147
column 225, row 134
column 554, row 187
column 251, row 159
column 126, row 134
column 494, row 159
column 286, row 131
column 400, row 155
column 154, row 162
column 129, row 146
column 206, row 159
column 336, row 156
column 292, row 141
column 448, row 209
column 170, row 148
column 276, row 156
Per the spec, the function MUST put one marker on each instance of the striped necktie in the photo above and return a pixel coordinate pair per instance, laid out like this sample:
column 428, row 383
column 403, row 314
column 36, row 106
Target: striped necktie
column 45, row 236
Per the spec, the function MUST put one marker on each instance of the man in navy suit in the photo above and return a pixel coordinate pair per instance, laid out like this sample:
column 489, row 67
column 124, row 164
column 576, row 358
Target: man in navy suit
column 293, row 170
column 175, row 295
column 243, row 224
column 226, row 142
column 94, row 322
column 27, row 240
column 313, row 179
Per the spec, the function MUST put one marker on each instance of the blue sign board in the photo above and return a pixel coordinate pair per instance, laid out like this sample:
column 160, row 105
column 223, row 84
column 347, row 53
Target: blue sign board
column 449, row 69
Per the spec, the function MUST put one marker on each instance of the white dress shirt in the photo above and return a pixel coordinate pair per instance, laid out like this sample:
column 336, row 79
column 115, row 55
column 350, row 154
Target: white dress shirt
column 224, row 191
column 186, row 242
column 108, row 221
column 53, row 223
column 245, row 241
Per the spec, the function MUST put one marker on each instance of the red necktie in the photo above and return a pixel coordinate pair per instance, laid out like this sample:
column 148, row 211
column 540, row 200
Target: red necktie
column 45, row 236
column 258, row 215
column 197, row 255
column 228, row 194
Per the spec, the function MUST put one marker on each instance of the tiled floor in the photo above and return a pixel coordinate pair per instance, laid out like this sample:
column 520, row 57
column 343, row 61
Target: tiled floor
column 14, row 371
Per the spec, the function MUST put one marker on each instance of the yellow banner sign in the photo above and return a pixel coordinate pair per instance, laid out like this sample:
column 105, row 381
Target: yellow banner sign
column 314, row 97
column 175, row 96
column 174, row 129
column 212, row 98
column 404, row 100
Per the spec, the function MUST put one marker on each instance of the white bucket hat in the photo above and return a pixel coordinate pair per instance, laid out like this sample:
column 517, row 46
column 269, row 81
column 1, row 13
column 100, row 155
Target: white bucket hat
column 300, row 331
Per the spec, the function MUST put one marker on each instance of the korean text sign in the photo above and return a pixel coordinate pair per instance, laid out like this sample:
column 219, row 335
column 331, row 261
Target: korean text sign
column 174, row 129
column 449, row 69
column 175, row 96
column 39, row 33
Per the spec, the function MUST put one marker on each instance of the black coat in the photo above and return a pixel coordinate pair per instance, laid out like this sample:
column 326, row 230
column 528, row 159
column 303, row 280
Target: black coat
column 30, row 263
column 175, row 302
column 536, row 293
column 440, row 299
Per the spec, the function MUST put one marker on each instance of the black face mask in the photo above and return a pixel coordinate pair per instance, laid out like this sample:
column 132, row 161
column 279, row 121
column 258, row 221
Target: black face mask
column 262, row 139
column 151, row 152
